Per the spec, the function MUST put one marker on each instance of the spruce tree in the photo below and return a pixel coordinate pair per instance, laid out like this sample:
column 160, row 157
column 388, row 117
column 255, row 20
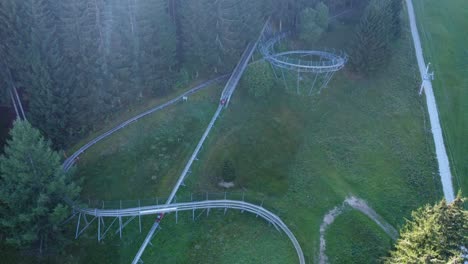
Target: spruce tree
column 228, row 171
column 216, row 32
column 33, row 185
column 48, row 88
column 370, row 49
column 435, row 234
column 157, row 39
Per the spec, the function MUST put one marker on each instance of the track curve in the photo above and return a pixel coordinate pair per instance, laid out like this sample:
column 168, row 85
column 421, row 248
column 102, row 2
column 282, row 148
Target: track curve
column 328, row 61
column 209, row 204
column 70, row 161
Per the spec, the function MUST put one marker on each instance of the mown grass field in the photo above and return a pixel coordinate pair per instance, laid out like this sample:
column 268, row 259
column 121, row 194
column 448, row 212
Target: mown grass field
column 301, row 155
column 369, row 244
column 443, row 29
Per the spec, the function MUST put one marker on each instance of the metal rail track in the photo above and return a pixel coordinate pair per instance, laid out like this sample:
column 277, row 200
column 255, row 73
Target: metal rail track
column 169, row 207
column 70, row 161
column 190, row 206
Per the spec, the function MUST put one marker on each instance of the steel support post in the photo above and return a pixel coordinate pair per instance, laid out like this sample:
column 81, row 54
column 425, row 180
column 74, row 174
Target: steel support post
column 313, row 84
column 120, row 226
column 284, row 79
column 99, row 230
column 274, row 71
column 297, row 82
column 139, row 215
column 78, row 226
column 327, row 80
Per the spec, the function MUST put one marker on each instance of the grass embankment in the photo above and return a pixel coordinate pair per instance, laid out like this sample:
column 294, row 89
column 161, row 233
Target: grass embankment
column 442, row 26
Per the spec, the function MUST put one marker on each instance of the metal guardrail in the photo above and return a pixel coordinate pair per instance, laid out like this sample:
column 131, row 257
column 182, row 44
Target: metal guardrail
column 209, row 204
column 168, row 207
column 70, row 161
column 329, row 61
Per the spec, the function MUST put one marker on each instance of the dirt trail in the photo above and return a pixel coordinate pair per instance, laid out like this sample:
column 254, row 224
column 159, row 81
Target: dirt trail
column 357, row 204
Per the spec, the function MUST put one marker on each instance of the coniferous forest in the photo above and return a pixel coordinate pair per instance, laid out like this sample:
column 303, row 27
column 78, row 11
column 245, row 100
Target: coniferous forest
column 75, row 63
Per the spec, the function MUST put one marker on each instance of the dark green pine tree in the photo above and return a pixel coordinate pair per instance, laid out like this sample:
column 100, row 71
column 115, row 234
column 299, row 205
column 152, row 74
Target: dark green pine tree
column 158, row 44
column 49, row 97
column 8, row 35
column 370, row 49
column 78, row 44
column 435, row 234
column 121, row 47
column 14, row 46
column 228, row 171
column 216, row 32
column 33, row 187
column 199, row 35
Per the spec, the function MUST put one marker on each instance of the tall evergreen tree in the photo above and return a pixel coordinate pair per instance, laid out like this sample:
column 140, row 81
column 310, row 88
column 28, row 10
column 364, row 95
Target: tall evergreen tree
column 157, row 37
column 199, row 35
column 216, row 32
column 49, row 96
column 370, row 49
column 13, row 46
column 435, row 234
column 33, row 185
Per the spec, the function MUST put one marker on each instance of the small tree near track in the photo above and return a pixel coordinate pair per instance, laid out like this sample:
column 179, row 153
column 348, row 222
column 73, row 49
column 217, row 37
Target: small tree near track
column 228, row 171
column 33, row 185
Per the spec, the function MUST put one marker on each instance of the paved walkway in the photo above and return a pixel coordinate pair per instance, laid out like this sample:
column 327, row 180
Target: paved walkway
column 442, row 158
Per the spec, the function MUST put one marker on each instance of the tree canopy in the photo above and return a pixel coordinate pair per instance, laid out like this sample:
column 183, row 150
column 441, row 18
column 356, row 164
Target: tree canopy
column 313, row 22
column 435, row 234
column 34, row 186
column 370, row 48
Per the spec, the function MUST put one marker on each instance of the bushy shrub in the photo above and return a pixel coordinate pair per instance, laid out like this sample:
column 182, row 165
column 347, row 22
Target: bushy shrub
column 258, row 79
column 228, row 171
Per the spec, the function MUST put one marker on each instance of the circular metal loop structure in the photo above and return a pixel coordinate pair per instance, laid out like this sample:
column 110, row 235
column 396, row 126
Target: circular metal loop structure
column 312, row 68
column 323, row 61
